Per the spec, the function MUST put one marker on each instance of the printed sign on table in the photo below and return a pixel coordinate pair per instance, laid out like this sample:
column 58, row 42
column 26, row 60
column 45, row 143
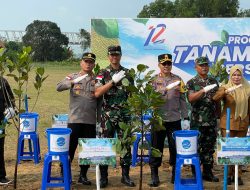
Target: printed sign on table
column 232, row 151
column 97, row 151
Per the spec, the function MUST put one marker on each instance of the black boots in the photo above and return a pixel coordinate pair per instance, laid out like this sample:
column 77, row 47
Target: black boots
column 240, row 181
column 83, row 176
column 104, row 176
column 154, row 177
column 208, row 174
column 230, row 180
column 193, row 171
column 125, row 177
column 173, row 175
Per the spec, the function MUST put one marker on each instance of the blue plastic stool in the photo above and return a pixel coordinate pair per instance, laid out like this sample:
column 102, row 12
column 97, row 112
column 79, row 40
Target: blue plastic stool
column 34, row 151
column 188, row 184
column 63, row 181
column 135, row 156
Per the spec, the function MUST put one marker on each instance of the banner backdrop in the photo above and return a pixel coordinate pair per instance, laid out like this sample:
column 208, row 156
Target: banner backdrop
column 142, row 40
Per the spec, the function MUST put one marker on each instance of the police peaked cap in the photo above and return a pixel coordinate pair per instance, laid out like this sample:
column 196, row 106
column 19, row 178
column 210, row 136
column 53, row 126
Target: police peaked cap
column 164, row 58
column 89, row 55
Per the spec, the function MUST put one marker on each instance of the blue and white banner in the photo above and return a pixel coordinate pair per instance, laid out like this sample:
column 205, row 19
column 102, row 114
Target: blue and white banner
column 142, row 40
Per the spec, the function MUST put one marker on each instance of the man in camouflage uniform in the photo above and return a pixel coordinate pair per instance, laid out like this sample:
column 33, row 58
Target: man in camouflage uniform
column 173, row 111
column 204, row 113
column 82, row 107
column 113, row 110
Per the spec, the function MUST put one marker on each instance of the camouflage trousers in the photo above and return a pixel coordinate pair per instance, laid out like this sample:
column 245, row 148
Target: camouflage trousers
column 206, row 144
column 110, row 129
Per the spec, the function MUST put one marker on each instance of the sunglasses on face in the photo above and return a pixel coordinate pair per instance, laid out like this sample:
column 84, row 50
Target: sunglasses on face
column 167, row 63
column 204, row 65
column 89, row 61
column 114, row 54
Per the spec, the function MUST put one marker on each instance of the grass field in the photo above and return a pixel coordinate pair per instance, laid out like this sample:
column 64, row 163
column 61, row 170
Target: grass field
column 50, row 101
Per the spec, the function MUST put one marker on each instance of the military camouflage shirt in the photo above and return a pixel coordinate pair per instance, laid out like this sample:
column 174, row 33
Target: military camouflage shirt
column 204, row 111
column 83, row 103
column 113, row 100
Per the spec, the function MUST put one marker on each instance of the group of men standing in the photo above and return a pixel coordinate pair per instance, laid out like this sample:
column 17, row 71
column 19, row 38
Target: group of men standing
column 204, row 114
column 87, row 91
column 107, row 89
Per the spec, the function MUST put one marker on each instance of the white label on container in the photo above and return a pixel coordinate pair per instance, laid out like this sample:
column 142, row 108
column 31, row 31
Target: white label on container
column 27, row 124
column 27, row 136
column 187, row 161
column 55, row 158
column 59, row 143
column 186, row 145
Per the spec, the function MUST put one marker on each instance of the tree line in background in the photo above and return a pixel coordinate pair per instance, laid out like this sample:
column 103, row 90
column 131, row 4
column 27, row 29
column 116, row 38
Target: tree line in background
column 49, row 44
column 193, row 9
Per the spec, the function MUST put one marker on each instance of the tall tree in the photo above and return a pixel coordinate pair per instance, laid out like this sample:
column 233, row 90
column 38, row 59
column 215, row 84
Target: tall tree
column 190, row 8
column 46, row 40
column 244, row 13
column 85, row 36
column 158, row 9
column 11, row 49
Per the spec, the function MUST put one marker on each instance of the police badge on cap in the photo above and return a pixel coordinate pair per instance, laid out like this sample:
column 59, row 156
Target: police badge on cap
column 89, row 56
column 164, row 58
column 114, row 50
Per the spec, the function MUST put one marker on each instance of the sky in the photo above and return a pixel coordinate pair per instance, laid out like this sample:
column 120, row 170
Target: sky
column 70, row 15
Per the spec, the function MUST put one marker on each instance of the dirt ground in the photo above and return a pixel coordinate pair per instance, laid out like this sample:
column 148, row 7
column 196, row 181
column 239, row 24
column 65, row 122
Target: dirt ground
column 30, row 175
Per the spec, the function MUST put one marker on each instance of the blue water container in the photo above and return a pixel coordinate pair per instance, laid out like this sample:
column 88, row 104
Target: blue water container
column 58, row 140
column 28, row 122
column 186, row 142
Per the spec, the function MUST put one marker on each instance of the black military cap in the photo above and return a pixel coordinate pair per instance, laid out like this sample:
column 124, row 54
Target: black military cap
column 89, row 55
column 114, row 50
column 164, row 58
column 201, row 60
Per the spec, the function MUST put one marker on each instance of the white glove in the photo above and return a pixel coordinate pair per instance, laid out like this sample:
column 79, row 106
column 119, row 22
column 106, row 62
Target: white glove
column 248, row 132
column 118, row 76
column 172, row 85
column 76, row 80
column 209, row 87
column 233, row 88
column 9, row 113
column 186, row 125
